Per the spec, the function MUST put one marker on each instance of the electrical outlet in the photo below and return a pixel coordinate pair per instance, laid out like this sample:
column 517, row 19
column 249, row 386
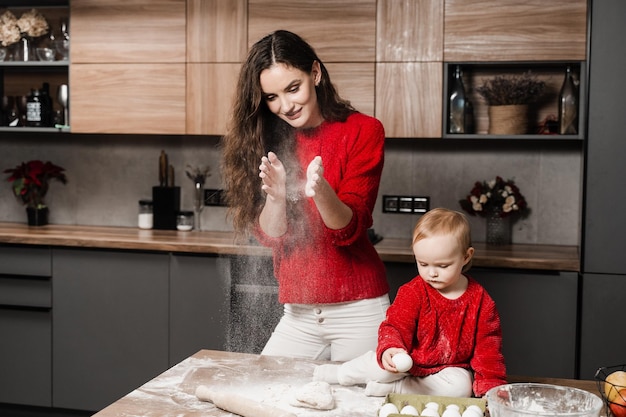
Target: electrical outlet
column 405, row 204
column 213, row 197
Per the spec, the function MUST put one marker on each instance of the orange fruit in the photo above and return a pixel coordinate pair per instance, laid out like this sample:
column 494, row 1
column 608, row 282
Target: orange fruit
column 613, row 384
column 618, row 405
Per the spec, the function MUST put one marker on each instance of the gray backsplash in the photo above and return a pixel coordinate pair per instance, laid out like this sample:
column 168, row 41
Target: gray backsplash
column 108, row 174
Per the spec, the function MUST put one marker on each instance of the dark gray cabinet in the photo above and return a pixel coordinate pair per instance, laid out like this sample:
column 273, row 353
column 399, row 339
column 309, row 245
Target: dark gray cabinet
column 199, row 304
column 605, row 202
column 602, row 325
column 25, row 326
column 602, row 341
column 539, row 316
column 110, row 334
column 538, row 312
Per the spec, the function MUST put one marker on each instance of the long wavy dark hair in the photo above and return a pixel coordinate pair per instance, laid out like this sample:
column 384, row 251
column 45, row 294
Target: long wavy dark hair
column 254, row 130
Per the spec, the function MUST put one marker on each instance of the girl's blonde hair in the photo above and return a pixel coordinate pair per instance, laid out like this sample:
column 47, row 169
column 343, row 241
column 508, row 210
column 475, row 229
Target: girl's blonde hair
column 442, row 221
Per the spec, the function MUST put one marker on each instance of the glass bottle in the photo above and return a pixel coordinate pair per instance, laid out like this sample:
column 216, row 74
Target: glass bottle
column 568, row 106
column 34, row 109
column 46, row 105
column 457, row 103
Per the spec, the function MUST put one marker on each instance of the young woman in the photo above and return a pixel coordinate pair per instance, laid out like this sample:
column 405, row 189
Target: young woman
column 319, row 162
column 443, row 319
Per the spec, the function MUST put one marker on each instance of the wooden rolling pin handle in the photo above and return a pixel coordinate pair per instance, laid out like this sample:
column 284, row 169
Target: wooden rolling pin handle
column 238, row 404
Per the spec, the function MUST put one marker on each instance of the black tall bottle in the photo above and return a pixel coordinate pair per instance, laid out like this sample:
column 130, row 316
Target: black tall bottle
column 34, row 109
column 46, row 106
column 568, row 106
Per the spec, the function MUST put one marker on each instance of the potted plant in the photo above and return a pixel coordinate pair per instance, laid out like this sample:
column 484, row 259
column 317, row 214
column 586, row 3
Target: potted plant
column 500, row 202
column 508, row 98
column 30, row 182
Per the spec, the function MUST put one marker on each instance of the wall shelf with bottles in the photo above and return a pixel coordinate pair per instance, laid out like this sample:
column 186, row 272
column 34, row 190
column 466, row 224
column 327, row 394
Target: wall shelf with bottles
column 542, row 113
column 34, row 74
column 19, row 81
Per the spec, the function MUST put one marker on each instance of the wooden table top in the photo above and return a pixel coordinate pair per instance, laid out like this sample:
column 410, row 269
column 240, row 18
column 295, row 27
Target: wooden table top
column 538, row 257
column 269, row 380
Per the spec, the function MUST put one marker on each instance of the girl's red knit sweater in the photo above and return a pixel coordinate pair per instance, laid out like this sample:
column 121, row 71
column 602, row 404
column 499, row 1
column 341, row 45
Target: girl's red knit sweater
column 312, row 263
column 438, row 332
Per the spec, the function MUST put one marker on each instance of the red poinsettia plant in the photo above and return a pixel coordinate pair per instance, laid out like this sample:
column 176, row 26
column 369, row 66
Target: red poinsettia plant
column 495, row 196
column 30, row 181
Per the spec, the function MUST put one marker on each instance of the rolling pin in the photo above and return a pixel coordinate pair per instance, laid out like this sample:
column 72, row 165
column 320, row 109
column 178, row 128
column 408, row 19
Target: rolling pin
column 235, row 403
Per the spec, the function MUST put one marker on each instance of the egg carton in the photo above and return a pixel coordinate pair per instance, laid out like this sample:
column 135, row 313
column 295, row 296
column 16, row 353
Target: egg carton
column 419, row 402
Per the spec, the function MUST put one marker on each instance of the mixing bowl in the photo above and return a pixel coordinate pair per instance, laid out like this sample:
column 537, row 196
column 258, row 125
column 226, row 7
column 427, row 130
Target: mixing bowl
column 530, row 399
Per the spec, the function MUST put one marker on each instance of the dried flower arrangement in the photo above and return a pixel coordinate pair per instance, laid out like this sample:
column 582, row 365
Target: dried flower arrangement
column 31, row 23
column 495, row 195
column 511, row 89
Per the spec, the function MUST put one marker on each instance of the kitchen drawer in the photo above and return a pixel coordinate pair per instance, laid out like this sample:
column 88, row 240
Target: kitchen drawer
column 26, row 292
column 25, row 260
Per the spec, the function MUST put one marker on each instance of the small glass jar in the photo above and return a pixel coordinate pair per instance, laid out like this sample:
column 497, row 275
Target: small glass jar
column 146, row 218
column 184, row 221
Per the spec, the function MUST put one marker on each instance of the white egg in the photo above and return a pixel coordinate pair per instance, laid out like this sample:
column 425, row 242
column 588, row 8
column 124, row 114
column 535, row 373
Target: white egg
column 472, row 411
column 476, row 408
column 451, row 412
column 386, row 409
column 433, row 405
column 429, row 412
column 402, row 361
column 409, row 410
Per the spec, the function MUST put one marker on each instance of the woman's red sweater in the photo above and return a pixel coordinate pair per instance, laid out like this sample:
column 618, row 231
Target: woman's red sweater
column 312, row 263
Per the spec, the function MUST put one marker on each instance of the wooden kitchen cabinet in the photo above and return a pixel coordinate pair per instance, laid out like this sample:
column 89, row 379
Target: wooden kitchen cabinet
column 409, row 55
column 210, row 94
column 128, row 98
column 200, row 293
column 339, row 30
column 409, row 99
column 217, row 31
column 409, row 31
column 216, row 47
column 111, row 313
column 128, row 66
column 509, row 30
column 25, row 326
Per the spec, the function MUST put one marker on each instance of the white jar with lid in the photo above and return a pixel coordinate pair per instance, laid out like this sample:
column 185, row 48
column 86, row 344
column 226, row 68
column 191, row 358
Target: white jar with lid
column 184, row 221
column 146, row 217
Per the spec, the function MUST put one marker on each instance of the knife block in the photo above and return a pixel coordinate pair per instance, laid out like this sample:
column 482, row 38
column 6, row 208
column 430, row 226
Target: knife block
column 165, row 206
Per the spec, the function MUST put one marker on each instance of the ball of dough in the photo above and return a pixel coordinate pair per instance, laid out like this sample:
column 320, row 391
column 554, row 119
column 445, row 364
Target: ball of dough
column 402, row 361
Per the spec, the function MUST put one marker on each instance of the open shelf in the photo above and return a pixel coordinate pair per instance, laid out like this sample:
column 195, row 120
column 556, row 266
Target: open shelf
column 552, row 73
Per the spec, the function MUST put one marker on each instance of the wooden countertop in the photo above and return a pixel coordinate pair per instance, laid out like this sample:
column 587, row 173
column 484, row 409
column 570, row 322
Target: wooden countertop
column 269, row 380
column 538, row 257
